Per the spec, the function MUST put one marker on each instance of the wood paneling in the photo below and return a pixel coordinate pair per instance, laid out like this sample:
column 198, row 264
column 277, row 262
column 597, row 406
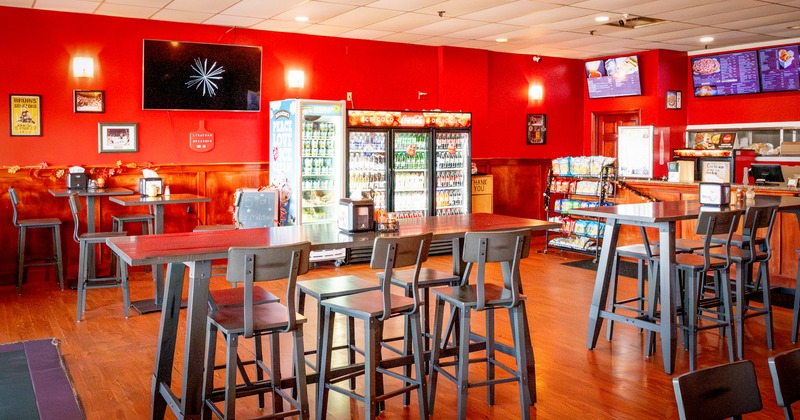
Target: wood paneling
column 217, row 181
column 518, row 185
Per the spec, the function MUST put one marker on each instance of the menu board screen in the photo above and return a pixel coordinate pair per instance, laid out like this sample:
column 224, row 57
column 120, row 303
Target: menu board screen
column 779, row 69
column 613, row 77
column 725, row 74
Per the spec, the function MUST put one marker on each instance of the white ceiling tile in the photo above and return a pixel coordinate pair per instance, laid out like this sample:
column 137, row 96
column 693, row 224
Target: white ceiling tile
column 437, row 41
column 507, row 11
column 261, row 8
column 238, row 21
column 478, row 45
column 482, row 31
column 208, row 6
column 181, row 16
column 315, row 11
column 17, row 3
column 364, row 34
column 707, row 9
column 404, row 5
column 76, row 6
column 444, row 26
column 143, row 3
column 549, row 16
column 756, row 23
column 404, row 22
column 459, row 8
column 323, row 30
column 362, row 16
column 403, row 37
column 124, row 10
column 280, row 25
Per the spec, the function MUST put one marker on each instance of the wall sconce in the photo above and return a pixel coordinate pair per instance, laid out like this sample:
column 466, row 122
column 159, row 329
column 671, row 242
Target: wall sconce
column 296, row 78
column 536, row 92
column 82, row 66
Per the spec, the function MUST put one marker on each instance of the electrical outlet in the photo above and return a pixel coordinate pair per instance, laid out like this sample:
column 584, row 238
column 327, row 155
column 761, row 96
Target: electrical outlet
column 189, row 209
column 349, row 96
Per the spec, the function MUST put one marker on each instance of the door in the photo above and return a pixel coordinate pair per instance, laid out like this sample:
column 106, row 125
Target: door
column 604, row 130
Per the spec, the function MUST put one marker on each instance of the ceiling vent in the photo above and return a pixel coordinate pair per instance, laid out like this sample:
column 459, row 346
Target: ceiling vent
column 635, row 22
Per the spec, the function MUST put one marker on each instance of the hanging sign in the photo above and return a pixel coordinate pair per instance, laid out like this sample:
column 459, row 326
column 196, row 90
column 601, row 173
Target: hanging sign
column 201, row 140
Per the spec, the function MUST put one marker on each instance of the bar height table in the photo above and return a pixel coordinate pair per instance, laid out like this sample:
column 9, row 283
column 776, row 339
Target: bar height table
column 195, row 250
column 90, row 195
column 662, row 216
column 158, row 203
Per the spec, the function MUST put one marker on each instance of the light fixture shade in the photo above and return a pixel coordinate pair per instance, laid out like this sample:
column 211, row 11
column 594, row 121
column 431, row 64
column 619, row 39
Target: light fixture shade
column 83, row 67
column 296, row 78
column 536, row 92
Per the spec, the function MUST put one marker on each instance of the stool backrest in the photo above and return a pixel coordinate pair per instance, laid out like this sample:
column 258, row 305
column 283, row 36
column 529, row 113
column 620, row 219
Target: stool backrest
column 757, row 218
column 506, row 247
column 75, row 208
column 12, row 193
column 718, row 392
column 710, row 223
column 390, row 252
column 253, row 264
column 785, row 370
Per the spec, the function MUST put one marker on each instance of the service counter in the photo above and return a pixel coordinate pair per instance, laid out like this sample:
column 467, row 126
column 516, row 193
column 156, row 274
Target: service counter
column 785, row 234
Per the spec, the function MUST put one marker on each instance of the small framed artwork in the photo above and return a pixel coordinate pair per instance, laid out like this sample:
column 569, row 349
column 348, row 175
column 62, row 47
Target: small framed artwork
column 25, row 115
column 89, row 101
column 537, row 128
column 673, row 99
column 117, row 137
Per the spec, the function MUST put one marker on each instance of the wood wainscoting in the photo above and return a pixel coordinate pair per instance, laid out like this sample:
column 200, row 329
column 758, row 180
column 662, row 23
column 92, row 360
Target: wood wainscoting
column 519, row 185
column 218, row 181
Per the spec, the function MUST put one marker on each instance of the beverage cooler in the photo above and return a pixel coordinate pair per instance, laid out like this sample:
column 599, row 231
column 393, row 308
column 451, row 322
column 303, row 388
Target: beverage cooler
column 306, row 153
column 412, row 163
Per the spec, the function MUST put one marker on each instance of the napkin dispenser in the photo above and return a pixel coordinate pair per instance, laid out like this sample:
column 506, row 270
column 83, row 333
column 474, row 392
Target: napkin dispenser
column 76, row 181
column 145, row 185
column 715, row 194
column 356, row 215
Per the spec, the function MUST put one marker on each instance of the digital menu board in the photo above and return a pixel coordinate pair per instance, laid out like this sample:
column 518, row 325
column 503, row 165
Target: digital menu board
column 725, row 74
column 613, row 77
column 779, row 70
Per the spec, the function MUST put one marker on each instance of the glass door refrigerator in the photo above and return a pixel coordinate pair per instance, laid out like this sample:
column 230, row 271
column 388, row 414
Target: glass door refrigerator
column 306, row 153
column 413, row 163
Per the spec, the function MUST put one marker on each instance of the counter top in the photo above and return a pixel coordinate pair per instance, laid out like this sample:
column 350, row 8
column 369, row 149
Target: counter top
column 655, row 182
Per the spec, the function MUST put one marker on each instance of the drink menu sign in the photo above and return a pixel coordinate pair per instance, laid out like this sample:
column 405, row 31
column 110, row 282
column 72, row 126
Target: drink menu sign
column 725, row 74
column 779, row 70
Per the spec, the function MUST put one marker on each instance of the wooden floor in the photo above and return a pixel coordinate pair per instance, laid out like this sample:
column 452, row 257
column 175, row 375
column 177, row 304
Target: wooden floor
column 110, row 358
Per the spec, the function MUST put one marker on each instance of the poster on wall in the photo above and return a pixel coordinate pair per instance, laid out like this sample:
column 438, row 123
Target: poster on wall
column 25, row 115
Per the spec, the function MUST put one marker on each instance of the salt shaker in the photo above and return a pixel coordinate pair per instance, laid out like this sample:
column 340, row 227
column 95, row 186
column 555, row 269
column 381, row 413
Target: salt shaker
column 166, row 191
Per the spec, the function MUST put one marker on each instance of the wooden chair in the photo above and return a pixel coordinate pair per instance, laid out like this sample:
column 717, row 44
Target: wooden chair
column 480, row 248
column 86, row 257
column 718, row 392
column 251, row 320
column 754, row 248
column 23, row 225
column 694, row 267
column 373, row 308
column 785, row 370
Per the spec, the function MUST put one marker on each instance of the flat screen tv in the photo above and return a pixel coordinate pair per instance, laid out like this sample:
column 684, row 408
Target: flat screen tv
column 725, row 74
column 779, row 70
column 613, row 77
column 194, row 76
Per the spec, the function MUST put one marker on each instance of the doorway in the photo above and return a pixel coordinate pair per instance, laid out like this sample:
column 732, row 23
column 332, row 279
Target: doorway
column 604, row 130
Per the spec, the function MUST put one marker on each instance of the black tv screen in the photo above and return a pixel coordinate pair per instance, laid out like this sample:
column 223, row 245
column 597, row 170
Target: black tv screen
column 194, row 76
column 779, row 70
column 725, row 74
column 613, row 77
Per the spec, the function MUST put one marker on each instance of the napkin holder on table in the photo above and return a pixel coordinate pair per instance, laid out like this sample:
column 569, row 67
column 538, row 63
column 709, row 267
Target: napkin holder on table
column 145, row 183
column 76, row 181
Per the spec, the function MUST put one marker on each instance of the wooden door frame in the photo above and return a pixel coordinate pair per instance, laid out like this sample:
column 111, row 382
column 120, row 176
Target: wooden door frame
column 595, row 140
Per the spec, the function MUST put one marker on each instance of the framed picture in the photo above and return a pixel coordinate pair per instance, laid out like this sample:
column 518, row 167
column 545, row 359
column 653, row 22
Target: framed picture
column 537, row 128
column 673, row 99
column 25, row 115
column 117, row 137
column 89, row 101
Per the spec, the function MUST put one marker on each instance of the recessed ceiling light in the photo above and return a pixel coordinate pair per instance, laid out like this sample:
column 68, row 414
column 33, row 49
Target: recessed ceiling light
column 501, row 39
column 707, row 39
column 601, row 19
column 301, row 19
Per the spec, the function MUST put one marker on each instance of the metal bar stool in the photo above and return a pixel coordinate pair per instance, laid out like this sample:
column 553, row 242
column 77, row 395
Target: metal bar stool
column 254, row 320
column 785, row 369
column 373, row 308
column 23, row 225
column 480, row 248
column 87, row 242
column 796, row 311
column 718, row 392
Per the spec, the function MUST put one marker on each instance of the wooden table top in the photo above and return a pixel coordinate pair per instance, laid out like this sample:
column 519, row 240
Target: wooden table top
column 667, row 211
column 143, row 200
column 85, row 192
column 206, row 245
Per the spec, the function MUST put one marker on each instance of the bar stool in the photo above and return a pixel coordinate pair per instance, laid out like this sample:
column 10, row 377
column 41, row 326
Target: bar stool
column 694, row 268
column 87, row 242
column 756, row 219
column 480, row 248
column 251, row 320
column 23, row 225
column 373, row 308
column 146, row 219
column 796, row 312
